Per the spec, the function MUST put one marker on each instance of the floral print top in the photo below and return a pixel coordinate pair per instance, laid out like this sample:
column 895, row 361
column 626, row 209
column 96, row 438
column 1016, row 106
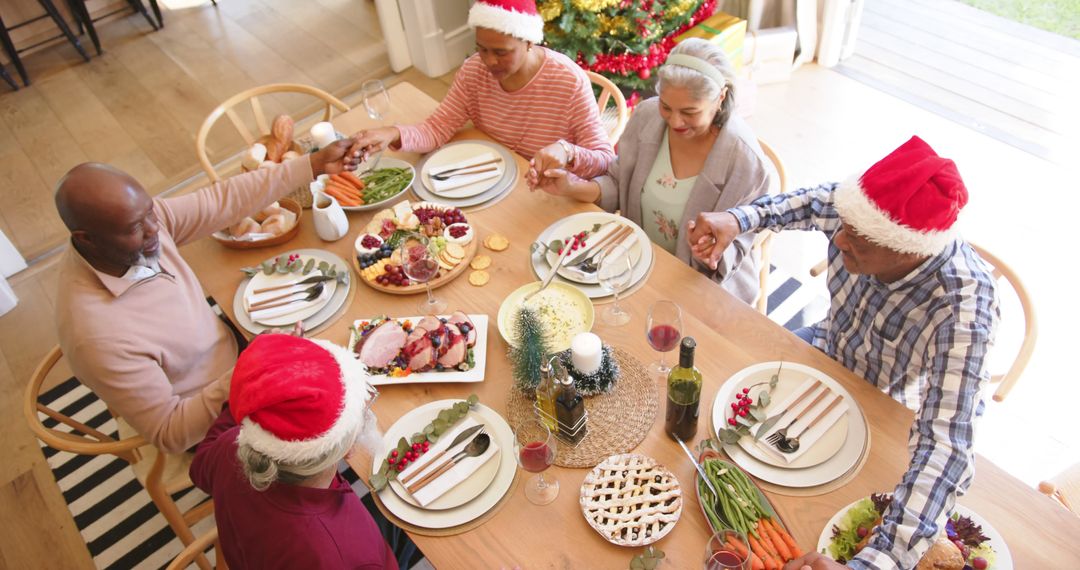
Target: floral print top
column 663, row 200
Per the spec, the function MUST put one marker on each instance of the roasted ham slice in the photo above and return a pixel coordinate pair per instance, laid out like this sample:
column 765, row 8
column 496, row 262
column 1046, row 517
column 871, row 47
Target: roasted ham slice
column 379, row 346
column 419, row 352
column 452, row 350
column 459, row 318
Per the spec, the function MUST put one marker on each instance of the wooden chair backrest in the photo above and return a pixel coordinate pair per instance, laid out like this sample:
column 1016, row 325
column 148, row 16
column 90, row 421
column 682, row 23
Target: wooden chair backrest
column 1065, row 488
column 190, row 552
column 763, row 239
column 1001, row 270
column 615, row 119
column 262, row 122
column 85, row 440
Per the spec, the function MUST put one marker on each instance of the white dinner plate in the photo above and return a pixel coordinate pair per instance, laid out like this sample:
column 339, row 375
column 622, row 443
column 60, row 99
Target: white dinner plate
column 790, row 475
column 303, row 309
column 505, row 184
column 541, row 266
column 457, row 153
column 573, row 226
column 461, row 493
column 312, row 322
column 476, row 374
column 824, row 448
column 488, row 498
column 997, row 542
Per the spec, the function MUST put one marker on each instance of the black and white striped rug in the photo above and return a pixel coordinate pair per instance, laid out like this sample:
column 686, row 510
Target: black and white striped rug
column 122, row 527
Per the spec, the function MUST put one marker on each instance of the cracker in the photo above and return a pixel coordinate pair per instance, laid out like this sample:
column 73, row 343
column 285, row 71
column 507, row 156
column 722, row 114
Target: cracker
column 454, row 250
column 496, row 242
column 480, row 262
column 479, row 278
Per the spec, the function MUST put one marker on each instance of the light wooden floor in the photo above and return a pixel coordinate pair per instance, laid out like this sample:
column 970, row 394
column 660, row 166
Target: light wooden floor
column 824, row 124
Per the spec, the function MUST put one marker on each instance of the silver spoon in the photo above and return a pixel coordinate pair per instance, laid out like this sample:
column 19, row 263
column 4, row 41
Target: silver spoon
column 791, row 444
column 475, row 448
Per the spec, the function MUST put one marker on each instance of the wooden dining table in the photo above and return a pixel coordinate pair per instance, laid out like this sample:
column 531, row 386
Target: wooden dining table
column 730, row 336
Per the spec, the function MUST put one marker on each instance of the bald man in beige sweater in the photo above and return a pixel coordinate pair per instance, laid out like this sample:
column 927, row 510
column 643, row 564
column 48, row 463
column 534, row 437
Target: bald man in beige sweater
column 132, row 318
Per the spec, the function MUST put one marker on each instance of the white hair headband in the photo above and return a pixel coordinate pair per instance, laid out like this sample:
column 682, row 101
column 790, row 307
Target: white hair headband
column 699, row 65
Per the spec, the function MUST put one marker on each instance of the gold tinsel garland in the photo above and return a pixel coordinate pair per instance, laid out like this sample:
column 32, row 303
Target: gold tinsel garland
column 594, row 5
column 550, row 9
column 614, row 26
column 679, row 9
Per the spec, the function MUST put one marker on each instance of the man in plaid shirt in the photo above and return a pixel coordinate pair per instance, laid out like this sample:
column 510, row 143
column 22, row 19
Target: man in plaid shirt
column 913, row 311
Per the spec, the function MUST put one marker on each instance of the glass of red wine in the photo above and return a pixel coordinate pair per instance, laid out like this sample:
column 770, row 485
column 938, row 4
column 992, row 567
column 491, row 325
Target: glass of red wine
column 663, row 329
column 418, row 263
column 727, row 550
column 534, row 446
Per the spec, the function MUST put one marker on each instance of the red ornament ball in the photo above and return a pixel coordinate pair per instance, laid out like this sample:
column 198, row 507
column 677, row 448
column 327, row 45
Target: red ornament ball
column 644, row 73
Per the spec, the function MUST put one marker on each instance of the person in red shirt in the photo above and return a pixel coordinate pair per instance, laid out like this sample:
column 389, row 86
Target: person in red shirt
column 296, row 408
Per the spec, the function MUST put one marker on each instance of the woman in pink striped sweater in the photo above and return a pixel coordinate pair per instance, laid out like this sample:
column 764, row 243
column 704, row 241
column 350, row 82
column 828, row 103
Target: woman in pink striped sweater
column 535, row 101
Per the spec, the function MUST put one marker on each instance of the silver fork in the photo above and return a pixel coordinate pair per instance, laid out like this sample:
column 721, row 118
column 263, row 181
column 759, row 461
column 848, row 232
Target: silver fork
column 444, row 176
column 592, row 263
column 781, row 434
column 378, row 157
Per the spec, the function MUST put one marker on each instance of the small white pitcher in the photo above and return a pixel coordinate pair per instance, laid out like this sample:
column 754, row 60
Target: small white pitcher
column 331, row 224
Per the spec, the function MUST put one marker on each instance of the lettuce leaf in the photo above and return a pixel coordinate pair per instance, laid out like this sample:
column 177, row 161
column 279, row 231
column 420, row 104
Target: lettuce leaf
column 845, row 534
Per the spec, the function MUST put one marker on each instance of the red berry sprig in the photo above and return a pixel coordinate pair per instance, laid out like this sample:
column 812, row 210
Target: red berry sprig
column 740, row 407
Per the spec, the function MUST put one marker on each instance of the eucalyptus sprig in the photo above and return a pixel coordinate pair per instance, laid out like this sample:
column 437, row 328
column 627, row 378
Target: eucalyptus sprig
column 755, row 414
column 443, row 421
column 283, row 265
column 647, row 560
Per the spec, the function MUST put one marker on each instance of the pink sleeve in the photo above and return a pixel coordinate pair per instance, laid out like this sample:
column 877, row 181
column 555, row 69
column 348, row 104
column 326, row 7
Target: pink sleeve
column 222, row 204
column 450, row 116
column 593, row 152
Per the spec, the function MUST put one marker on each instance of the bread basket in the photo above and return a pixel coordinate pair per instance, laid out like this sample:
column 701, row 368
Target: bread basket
column 224, row 239
column 301, row 196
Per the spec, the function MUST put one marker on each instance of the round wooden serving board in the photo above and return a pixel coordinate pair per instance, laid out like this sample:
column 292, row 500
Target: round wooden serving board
column 443, row 278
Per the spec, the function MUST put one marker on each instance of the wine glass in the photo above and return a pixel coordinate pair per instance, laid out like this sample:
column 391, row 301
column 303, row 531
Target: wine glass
column 614, row 274
column 663, row 330
column 419, row 264
column 727, row 550
column 376, row 99
column 534, row 446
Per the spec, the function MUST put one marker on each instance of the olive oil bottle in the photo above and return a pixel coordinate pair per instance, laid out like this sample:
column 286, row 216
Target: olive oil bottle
column 683, row 394
column 545, row 394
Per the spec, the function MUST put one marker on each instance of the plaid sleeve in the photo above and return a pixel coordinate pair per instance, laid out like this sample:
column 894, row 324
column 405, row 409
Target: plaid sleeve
column 803, row 209
column 942, row 464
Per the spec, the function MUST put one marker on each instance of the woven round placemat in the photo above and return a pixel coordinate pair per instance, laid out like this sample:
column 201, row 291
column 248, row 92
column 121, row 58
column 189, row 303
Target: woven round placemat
column 618, row 421
column 810, row 491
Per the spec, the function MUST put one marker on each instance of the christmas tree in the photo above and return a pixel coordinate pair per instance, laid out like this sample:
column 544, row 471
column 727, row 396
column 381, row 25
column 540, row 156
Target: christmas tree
column 624, row 40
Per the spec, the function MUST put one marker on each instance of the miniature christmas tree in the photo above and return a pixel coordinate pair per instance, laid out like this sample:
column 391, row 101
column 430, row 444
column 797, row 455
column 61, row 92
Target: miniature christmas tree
column 531, row 351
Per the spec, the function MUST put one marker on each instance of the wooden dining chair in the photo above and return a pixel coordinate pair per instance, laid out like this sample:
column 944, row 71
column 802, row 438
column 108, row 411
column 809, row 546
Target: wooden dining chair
column 612, row 104
column 197, row 548
column 1064, row 488
column 162, row 475
column 262, row 122
column 763, row 239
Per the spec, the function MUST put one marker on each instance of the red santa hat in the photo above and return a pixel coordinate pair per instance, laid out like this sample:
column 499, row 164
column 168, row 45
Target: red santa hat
column 907, row 202
column 296, row 399
column 518, row 18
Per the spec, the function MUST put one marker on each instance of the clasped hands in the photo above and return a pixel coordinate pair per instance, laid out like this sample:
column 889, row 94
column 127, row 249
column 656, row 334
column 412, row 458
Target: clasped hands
column 710, row 234
column 547, row 170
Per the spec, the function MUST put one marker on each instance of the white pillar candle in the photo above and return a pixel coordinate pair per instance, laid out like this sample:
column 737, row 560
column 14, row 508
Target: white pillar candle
column 586, row 352
column 323, row 133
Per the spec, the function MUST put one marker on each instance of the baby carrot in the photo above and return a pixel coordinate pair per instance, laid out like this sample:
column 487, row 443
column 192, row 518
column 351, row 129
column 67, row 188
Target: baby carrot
column 778, row 543
column 347, row 181
column 788, row 540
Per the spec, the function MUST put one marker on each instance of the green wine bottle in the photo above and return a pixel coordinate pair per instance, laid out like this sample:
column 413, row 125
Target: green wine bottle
column 683, row 394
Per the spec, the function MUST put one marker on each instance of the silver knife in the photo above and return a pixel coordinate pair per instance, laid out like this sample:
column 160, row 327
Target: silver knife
column 306, row 281
column 699, row 469
column 461, row 437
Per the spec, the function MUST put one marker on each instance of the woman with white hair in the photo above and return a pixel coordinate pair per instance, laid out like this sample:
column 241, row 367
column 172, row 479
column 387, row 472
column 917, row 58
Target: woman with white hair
column 296, row 408
column 533, row 100
column 683, row 153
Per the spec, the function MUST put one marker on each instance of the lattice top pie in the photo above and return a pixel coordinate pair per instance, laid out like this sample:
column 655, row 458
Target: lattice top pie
column 631, row 500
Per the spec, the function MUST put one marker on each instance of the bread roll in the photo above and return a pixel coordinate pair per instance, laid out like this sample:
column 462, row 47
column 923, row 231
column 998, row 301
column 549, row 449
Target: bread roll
column 243, row 227
column 281, row 133
column 274, row 225
column 943, row 555
column 289, row 155
column 254, row 156
column 268, row 211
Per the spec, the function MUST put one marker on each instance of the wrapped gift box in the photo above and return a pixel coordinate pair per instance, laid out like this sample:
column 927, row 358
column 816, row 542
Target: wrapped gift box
column 724, row 30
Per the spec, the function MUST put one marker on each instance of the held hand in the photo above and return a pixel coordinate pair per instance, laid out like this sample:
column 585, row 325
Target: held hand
column 551, row 157
column 814, row 561
column 556, row 182
column 374, row 140
column 710, row 234
column 337, row 157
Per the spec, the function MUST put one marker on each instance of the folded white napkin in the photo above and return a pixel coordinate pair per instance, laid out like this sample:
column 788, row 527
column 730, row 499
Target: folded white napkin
column 458, row 473
column 807, row 438
column 273, row 313
column 438, row 186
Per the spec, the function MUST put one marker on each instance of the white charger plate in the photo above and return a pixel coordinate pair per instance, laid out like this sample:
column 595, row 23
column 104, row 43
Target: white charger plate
column 504, row 184
column 824, row 448
column 312, row 322
column 476, row 374
column 571, row 227
column 997, row 542
column 456, row 153
column 541, row 266
column 488, row 498
column 791, row 475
